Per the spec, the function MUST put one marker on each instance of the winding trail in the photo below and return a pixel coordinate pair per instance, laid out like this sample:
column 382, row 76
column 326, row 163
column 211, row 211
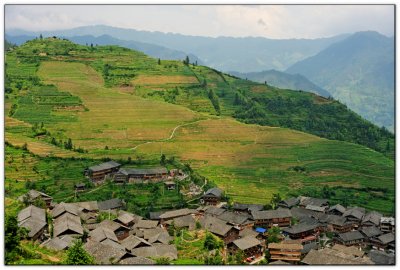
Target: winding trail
column 171, row 136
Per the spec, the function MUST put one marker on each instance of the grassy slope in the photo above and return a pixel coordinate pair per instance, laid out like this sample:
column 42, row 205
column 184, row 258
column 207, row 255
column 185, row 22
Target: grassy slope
column 249, row 161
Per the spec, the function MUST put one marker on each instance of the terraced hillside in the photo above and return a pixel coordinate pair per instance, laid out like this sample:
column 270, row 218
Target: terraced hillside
column 113, row 102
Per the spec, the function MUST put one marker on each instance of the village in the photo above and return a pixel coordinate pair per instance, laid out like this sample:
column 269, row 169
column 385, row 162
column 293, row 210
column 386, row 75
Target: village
column 298, row 230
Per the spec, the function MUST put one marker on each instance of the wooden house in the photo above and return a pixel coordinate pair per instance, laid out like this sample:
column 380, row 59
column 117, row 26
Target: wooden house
column 170, row 185
column 219, row 227
column 80, row 187
column 383, row 242
column 34, row 195
column 355, row 215
column 280, row 217
column 98, row 173
column 135, row 175
column 300, row 231
column 67, row 224
column 289, row 203
column 338, row 224
column 169, row 215
column 372, row 218
column 212, row 196
column 337, row 209
column 33, row 219
column 111, row 204
column 387, row 224
column 285, row 252
column 349, row 238
column 250, row 246
column 118, row 229
column 304, row 201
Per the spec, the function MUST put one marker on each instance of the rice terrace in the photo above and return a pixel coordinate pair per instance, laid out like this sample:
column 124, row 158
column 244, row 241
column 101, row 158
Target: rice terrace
column 178, row 162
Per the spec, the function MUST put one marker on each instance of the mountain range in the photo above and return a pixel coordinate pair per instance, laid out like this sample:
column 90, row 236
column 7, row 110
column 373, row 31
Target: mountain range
column 357, row 69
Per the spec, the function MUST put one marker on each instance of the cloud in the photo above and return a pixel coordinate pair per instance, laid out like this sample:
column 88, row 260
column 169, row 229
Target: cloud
column 273, row 21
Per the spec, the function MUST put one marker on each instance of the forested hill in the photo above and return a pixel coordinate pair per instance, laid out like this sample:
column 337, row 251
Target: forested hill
column 204, row 90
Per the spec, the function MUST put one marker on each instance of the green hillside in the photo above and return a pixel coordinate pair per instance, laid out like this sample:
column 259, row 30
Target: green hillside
column 96, row 102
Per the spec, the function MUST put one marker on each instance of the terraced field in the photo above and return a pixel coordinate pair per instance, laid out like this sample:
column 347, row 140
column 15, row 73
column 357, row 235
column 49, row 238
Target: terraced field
column 123, row 111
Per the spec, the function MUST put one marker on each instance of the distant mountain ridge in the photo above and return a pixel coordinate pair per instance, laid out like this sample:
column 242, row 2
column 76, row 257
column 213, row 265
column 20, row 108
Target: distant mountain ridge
column 247, row 54
column 150, row 49
column 283, row 80
column 359, row 71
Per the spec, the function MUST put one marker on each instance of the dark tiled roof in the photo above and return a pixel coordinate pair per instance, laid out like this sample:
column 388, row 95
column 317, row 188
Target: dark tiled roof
column 312, row 201
column 372, row 217
column 234, row 218
column 213, row 210
column 101, row 233
column 338, row 207
column 55, row 244
column 215, row 225
column 247, row 207
column 270, row 214
column 146, row 224
column 133, row 241
column 386, row 238
column 32, row 212
column 293, row 201
column 157, row 251
column 214, row 192
column 147, row 171
column 137, row 261
column 350, row 236
column 105, row 254
column 156, row 215
column 354, row 212
column 329, row 256
column 110, row 204
column 299, row 228
column 371, row 231
column 177, row 213
column 381, row 257
column 246, row 242
column 105, row 166
column 62, row 208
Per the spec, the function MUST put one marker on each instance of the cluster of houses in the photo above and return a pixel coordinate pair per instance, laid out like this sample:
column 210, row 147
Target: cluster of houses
column 355, row 235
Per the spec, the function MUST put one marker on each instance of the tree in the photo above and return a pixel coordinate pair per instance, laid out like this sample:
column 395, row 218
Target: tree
column 171, row 229
column 211, row 242
column 186, row 61
column 162, row 159
column 77, row 255
column 273, row 235
column 198, row 225
column 159, row 61
column 213, row 260
column 239, row 257
column 276, row 198
column 40, row 36
column 12, row 238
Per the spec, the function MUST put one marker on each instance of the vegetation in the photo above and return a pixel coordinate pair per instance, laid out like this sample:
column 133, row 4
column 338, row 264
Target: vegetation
column 90, row 97
column 77, row 255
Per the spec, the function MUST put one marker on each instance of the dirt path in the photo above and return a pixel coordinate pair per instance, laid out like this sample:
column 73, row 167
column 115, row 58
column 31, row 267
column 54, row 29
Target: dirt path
column 171, row 136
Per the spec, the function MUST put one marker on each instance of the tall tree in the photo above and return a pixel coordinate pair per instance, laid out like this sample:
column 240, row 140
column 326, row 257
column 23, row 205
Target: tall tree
column 77, row 255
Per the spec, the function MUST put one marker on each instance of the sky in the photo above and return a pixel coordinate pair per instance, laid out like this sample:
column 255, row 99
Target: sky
column 271, row 21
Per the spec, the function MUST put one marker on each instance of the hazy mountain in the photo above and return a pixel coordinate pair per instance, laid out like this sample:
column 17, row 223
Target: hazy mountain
column 359, row 71
column 248, row 54
column 283, row 80
column 149, row 49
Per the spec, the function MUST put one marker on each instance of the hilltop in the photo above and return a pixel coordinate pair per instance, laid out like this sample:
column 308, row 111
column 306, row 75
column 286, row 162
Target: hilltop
column 118, row 103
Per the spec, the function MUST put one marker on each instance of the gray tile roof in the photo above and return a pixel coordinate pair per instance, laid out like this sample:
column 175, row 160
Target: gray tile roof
column 290, row 202
column 248, row 232
column 162, row 237
column 183, row 222
column 88, row 205
column 270, row 214
column 386, row 238
column 149, row 233
column 145, row 171
column 213, row 210
column 112, row 225
column 157, row 251
column 177, row 213
column 105, row 166
column 62, row 208
column 338, row 207
column 67, row 222
column 101, row 233
column 316, row 208
column 246, row 242
column 215, row 225
column 299, row 228
column 247, row 207
column 105, row 254
column 350, row 236
column 329, row 256
column 234, row 218
column 32, row 212
column 214, row 192
column 354, row 212
column 372, row 217
column 110, row 204
column 133, row 241
column 336, row 220
column 371, row 231
column 33, row 225
column 137, row 261
column 312, row 201
column 146, row 224
column 34, row 194
column 55, row 244
column 381, row 257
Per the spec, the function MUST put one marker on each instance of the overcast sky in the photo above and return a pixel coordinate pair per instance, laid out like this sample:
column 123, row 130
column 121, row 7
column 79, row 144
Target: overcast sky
column 273, row 21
